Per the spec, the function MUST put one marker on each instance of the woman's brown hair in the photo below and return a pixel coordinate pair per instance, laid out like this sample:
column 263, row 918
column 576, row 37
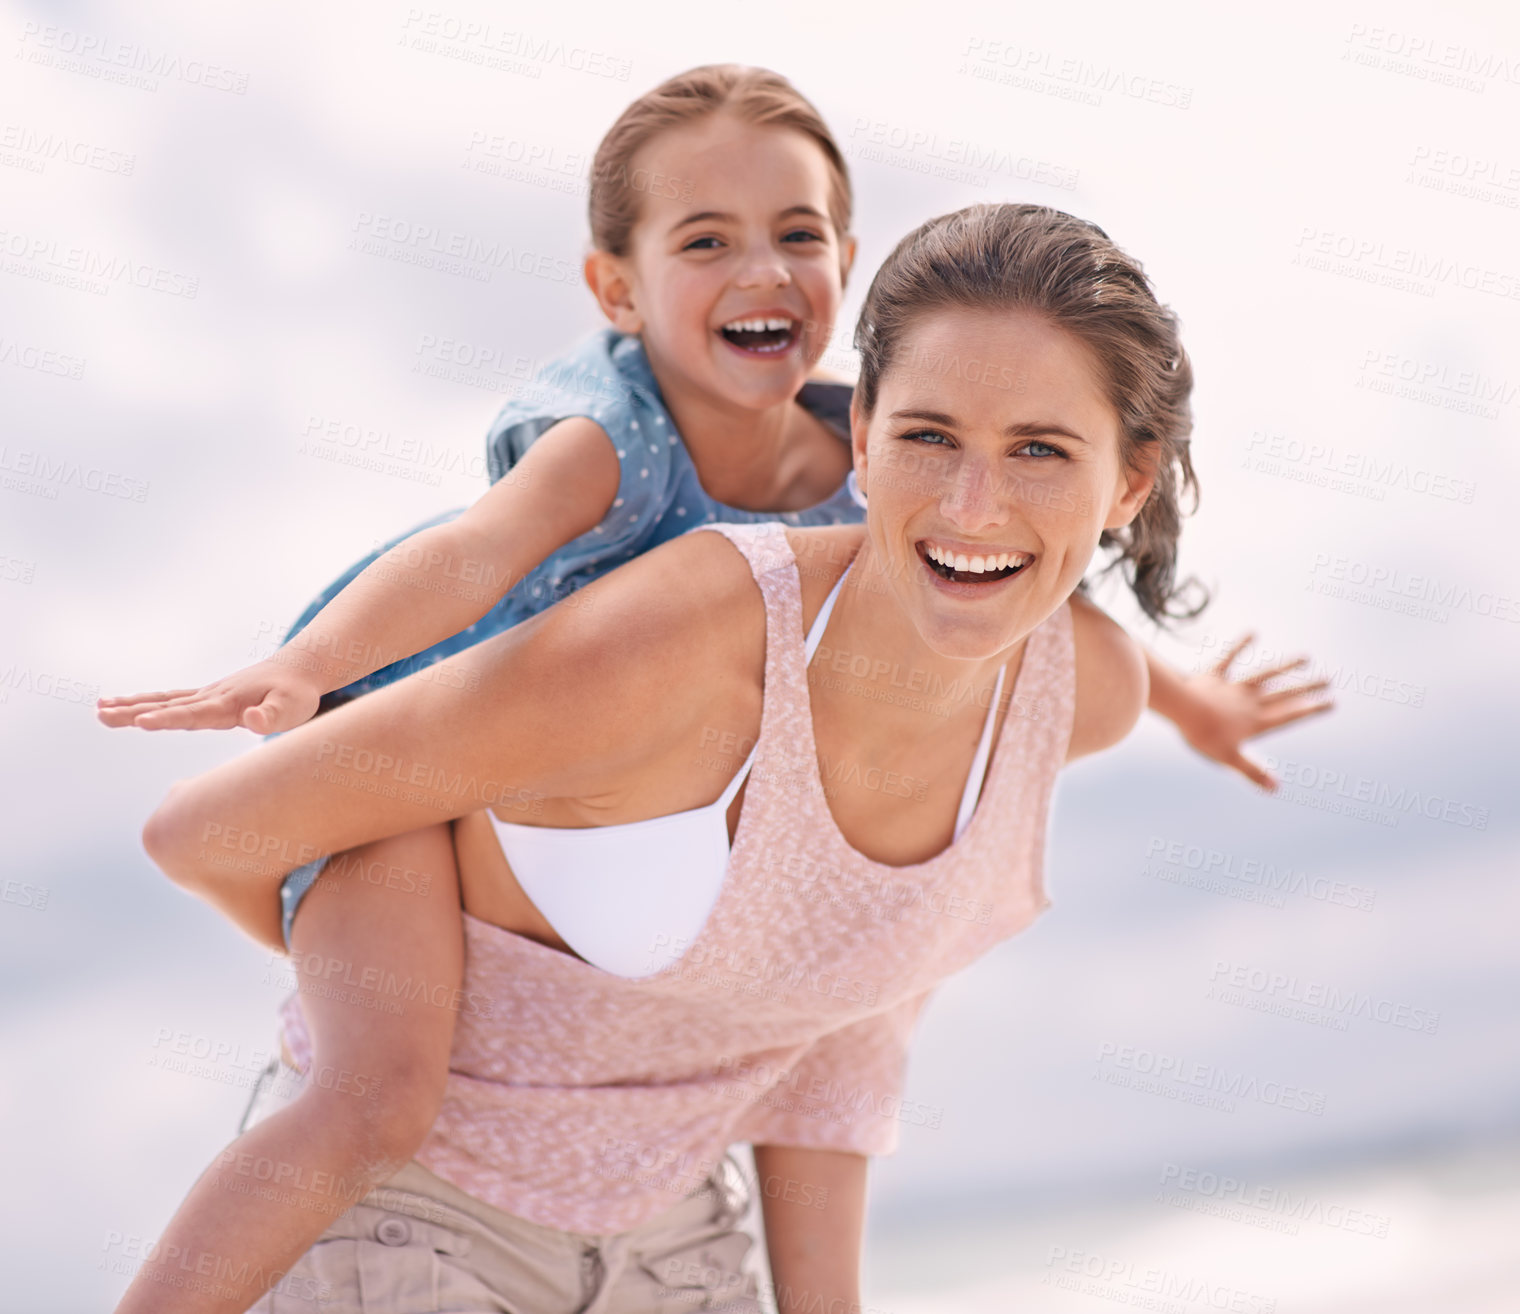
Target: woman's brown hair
column 1030, row 257
column 752, row 95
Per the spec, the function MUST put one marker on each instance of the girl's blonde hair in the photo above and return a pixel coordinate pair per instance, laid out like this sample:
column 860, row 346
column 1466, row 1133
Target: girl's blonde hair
column 752, row 95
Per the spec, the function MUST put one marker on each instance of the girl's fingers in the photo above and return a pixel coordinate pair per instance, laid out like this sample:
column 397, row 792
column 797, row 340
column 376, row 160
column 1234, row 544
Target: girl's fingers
column 1223, row 665
column 196, row 717
column 130, row 699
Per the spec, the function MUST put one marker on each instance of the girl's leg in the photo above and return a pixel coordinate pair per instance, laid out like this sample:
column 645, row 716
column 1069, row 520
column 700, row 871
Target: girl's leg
column 381, row 921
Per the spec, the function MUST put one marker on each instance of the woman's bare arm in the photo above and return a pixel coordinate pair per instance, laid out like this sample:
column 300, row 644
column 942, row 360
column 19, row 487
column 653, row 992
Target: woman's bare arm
column 583, row 702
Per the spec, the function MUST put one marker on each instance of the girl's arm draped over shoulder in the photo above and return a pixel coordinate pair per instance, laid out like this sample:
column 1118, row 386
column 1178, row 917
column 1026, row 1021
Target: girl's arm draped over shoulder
column 576, row 703
column 414, row 596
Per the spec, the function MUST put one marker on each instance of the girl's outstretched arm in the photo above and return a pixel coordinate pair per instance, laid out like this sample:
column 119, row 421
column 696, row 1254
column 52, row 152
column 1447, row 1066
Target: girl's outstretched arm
column 1216, row 714
column 381, row 914
column 814, row 1249
column 577, row 702
column 436, row 583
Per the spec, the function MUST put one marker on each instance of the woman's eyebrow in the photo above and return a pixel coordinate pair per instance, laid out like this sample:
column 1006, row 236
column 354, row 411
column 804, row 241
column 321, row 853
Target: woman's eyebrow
column 1023, row 429
column 1029, row 428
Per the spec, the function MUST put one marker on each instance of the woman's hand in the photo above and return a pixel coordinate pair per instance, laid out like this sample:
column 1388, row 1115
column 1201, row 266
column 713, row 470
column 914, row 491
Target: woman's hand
column 1216, row 713
column 267, row 697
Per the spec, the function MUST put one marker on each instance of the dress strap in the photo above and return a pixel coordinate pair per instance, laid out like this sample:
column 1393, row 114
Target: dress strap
column 979, row 762
column 820, row 621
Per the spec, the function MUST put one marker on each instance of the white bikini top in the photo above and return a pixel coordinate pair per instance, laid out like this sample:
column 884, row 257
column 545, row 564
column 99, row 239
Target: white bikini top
column 630, row 898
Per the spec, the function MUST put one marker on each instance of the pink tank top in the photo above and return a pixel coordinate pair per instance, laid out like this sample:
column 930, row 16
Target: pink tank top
column 591, row 1102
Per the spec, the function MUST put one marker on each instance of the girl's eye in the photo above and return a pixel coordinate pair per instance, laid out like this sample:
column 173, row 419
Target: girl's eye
column 802, row 234
column 696, row 244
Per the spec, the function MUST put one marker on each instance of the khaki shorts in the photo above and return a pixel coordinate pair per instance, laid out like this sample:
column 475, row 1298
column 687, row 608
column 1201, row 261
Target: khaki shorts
column 420, row 1245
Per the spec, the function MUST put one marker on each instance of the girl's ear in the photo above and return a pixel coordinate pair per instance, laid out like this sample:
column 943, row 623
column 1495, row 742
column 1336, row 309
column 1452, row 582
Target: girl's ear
column 611, row 284
column 846, row 259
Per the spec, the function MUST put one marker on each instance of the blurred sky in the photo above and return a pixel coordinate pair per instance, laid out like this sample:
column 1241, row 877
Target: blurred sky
column 1328, row 197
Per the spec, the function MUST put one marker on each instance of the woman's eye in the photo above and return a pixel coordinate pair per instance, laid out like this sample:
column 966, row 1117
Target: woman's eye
column 1037, row 443
column 930, row 436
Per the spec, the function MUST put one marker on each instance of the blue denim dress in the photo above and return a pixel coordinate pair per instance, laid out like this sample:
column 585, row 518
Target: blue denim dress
column 606, row 378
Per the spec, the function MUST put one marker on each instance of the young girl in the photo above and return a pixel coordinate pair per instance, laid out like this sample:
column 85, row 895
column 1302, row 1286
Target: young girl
column 695, row 407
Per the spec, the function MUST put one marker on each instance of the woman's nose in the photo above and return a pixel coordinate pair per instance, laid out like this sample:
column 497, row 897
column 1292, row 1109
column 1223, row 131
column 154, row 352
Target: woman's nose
column 973, row 501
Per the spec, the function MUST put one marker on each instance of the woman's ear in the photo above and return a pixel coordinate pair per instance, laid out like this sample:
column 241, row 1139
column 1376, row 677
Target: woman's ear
column 611, row 283
column 859, row 427
column 1135, row 484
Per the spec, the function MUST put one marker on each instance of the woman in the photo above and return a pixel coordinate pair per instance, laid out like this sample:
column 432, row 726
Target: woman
column 1022, row 396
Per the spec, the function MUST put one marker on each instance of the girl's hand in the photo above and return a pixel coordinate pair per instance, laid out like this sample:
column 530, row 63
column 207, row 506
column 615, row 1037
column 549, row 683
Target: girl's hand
column 1216, row 713
column 266, row 697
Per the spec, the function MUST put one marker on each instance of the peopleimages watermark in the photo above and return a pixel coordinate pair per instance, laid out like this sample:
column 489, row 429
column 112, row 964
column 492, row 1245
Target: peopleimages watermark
column 84, row 269
column 1434, row 383
column 1252, row 880
column 46, row 684
column 23, row 147
column 126, row 62
column 777, row 979
column 1332, row 789
column 957, row 159
column 217, row 1276
column 473, row 42
column 1145, row 1286
column 1069, row 78
column 42, row 475
column 1402, row 268
column 1412, row 593
column 1362, row 474
column 1272, row 1208
column 792, row 1090
column 1428, row 57
column 359, row 446
column 1286, row 995
column 1194, row 1081
column 1461, row 173
column 40, row 360
column 1341, row 677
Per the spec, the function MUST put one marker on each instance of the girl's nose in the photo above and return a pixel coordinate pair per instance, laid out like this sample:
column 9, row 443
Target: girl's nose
column 764, row 267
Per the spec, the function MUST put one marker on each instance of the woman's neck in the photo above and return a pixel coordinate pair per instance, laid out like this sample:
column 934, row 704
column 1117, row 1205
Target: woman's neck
column 867, row 623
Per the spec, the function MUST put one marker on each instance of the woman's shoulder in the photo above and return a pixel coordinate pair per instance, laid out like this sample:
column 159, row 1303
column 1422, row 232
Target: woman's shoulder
column 1112, row 680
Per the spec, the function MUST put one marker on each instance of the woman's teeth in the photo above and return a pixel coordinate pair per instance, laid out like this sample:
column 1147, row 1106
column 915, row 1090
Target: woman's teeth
column 766, row 334
column 997, row 565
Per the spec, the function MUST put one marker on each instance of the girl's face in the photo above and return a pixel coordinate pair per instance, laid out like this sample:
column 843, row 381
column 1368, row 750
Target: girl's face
column 991, row 466
column 735, row 271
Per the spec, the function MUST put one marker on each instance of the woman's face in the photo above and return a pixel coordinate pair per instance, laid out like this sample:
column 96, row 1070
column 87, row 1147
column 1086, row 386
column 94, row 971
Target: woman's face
column 991, row 466
column 735, row 272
